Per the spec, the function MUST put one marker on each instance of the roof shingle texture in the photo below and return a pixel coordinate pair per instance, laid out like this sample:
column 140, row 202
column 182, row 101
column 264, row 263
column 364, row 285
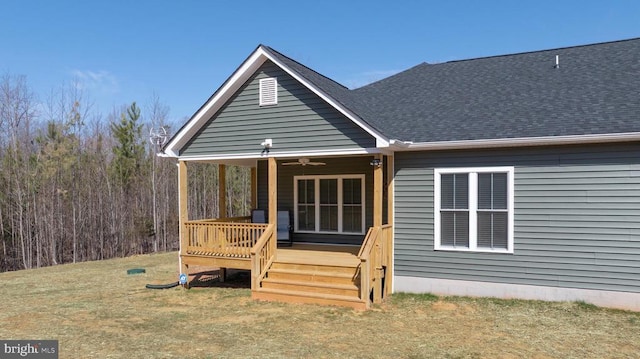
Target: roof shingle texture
column 595, row 90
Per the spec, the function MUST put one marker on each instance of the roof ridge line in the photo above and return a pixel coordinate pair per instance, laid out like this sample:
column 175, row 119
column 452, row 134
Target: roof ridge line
column 303, row 65
column 538, row 51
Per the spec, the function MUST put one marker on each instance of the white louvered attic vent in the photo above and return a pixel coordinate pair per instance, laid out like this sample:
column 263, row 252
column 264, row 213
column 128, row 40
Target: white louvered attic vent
column 268, row 91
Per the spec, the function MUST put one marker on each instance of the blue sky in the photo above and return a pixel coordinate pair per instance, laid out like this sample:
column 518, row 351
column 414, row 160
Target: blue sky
column 181, row 51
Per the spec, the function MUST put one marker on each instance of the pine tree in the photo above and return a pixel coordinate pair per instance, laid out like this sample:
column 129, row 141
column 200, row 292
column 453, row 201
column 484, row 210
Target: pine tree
column 129, row 151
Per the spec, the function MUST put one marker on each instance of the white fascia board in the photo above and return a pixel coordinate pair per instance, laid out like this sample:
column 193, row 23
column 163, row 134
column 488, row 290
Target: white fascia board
column 228, row 89
column 381, row 141
column 516, row 142
column 284, row 154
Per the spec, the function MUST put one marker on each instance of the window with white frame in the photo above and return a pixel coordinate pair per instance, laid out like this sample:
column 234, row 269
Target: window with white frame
column 474, row 209
column 329, row 204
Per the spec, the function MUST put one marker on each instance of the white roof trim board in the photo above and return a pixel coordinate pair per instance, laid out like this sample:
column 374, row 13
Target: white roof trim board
column 434, row 138
column 397, row 145
column 285, row 154
column 233, row 83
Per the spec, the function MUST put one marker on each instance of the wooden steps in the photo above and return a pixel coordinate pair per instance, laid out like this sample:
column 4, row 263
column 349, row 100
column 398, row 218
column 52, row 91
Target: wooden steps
column 316, row 275
column 288, row 296
column 349, row 290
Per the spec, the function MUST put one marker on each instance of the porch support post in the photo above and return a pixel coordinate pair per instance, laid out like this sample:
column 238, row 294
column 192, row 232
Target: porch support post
column 389, row 189
column 254, row 187
column 183, row 212
column 222, row 206
column 388, row 280
column 273, row 195
column 377, row 223
column 377, row 193
column 222, row 191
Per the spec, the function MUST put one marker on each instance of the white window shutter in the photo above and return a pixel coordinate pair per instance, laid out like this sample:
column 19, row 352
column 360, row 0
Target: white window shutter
column 268, row 91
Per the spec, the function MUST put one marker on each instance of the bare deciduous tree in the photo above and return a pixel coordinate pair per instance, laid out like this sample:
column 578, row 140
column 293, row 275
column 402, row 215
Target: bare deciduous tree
column 66, row 195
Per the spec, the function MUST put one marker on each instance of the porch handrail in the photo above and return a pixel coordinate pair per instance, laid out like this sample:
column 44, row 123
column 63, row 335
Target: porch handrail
column 366, row 267
column 222, row 239
column 239, row 219
column 374, row 255
column 263, row 253
column 369, row 241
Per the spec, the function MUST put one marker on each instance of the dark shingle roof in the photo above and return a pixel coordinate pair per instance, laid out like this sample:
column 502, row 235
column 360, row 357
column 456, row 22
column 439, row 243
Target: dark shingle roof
column 347, row 98
column 595, row 90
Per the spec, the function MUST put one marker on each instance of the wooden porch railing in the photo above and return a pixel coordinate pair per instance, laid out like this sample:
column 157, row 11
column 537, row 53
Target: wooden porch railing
column 263, row 254
column 224, row 237
column 375, row 257
column 241, row 219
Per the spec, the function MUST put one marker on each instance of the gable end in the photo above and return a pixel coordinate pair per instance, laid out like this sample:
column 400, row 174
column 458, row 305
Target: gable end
column 302, row 122
column 185, row 136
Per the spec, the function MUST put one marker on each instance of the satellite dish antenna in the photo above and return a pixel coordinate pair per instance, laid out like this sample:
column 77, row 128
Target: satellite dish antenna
column 158, row 136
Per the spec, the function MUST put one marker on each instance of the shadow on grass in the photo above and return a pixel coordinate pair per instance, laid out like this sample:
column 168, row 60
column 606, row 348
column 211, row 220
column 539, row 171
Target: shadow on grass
column 211, row 279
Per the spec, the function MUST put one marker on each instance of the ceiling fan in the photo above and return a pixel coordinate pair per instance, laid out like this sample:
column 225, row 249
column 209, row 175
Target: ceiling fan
column 303, row 162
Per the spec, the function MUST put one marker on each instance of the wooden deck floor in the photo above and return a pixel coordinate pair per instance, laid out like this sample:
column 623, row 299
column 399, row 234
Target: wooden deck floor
column 319, row 254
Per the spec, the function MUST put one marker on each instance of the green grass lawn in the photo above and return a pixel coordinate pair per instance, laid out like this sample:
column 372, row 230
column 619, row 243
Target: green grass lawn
column 96, row 310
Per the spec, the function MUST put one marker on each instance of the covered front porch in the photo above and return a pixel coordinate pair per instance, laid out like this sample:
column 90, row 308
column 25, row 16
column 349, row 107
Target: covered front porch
column 348, row 265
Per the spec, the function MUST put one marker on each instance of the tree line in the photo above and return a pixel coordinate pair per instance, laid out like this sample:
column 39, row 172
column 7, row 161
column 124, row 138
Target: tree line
column 76, row 185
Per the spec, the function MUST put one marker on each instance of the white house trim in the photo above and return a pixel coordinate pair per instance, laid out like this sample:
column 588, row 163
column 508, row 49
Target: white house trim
column 340, row 203
column 233, row 84
column 473, row 207
column 398, row 145
column 282, row 154
column 381, row 141
column 219, row 98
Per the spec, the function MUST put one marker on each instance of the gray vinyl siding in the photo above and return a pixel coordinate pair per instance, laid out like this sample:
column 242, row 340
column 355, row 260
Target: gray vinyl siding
column 300, row 121
column 576, row 218
column 334, row 166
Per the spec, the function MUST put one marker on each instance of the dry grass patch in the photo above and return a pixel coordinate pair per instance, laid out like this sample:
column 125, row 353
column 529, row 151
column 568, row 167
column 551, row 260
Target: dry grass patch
column 96, row 310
